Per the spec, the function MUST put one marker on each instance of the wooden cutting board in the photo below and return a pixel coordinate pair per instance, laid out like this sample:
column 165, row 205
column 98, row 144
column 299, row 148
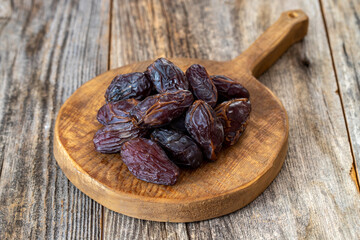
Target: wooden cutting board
column 240, row 174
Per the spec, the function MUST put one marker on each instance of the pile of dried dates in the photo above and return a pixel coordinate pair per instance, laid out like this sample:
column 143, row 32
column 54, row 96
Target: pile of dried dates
column 190, row 118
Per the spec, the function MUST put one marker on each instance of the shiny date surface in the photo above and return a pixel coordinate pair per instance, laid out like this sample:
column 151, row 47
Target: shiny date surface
column 159, row 110
column 205, row 128
column 147, row 161
column 181, row 149
column 234, row 116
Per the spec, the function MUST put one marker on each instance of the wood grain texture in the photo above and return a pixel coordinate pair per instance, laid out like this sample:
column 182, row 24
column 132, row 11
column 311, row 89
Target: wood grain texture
column 5, row 9
column 291, row 27
column 313, row 196
column 48, row 49
column 344, row 37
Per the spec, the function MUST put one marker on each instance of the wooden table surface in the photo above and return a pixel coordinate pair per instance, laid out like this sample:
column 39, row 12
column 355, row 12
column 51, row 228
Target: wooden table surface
column 49, row 48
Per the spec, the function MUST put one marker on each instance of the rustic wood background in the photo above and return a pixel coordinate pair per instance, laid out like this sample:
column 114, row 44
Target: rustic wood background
column 49, row 48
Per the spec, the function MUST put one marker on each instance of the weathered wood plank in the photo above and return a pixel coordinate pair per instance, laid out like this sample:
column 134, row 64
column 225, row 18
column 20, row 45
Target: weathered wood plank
column 313, row 196
column 5, row 9
column 343, row 25
column 47, row 50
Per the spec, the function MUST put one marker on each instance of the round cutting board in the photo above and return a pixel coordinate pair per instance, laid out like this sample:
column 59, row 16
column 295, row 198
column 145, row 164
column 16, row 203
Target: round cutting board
column 240, row 174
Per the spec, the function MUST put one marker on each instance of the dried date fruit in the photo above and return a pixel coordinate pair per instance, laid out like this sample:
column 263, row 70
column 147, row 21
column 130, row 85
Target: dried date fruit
column 159, row 110
column 132, row 85
column 201, row 85
column 228, row 88
column 203, row 126
column 234, row 116
column 148, row 162
column 181, row 149
column 117, row 112
column 109, row 138
column 166, row 76
column 194, row 130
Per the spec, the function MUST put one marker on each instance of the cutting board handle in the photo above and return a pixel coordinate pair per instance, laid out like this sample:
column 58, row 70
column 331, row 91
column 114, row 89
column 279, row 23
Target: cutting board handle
column 291, row 27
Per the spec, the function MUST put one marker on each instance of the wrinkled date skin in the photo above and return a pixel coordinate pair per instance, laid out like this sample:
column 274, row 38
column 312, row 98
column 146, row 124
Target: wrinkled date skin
column 205, row 128
column 234, row 116
column 166, row 76
column 109, row 138
column 132, row 85
column 159, row 110
column 228, row 88
column 148, row 162
column 201, row 85
column 181, row 149
column 118, row 112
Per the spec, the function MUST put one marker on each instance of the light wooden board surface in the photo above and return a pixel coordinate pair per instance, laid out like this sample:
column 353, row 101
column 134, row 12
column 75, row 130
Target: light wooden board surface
column 343, row 24
column 48, row 49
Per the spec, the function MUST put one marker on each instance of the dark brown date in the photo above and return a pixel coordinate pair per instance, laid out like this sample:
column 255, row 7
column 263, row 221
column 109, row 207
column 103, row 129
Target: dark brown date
column 109, row 138
column 234, row 116
column 117, row 112
column 131, row 85
column 159, row 110
column 201, row 84
column 166, row 76
column 181, row 149
column 228, row 88
column 203, row 126
column 148, row 162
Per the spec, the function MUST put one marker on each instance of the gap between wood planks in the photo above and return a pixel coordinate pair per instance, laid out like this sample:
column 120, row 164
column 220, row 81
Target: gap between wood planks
column 353, row 171
column 110, row 29
column 108, row 68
